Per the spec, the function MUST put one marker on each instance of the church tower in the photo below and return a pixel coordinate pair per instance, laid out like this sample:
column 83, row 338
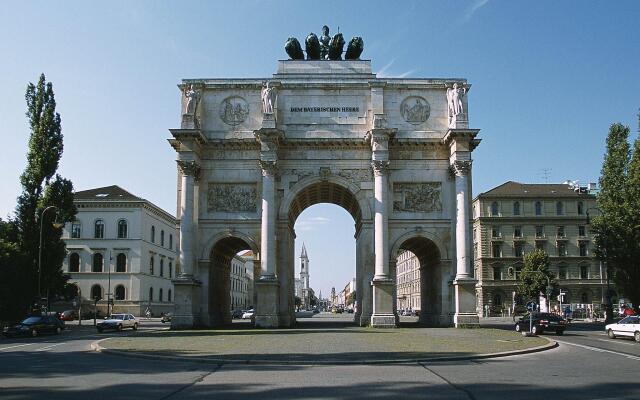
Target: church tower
column 304, row 268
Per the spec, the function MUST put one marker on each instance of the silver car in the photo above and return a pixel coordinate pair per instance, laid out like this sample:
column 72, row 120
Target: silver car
column 118, row 322
column 628, row 326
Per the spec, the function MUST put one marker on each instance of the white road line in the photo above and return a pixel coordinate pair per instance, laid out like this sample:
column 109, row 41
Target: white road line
column 18, row 345
column 48, row 347
column 616, row 342
column 636, row 358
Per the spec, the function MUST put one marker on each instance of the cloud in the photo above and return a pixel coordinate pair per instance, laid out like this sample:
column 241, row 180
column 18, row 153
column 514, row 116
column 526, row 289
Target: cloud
column 382, row 73
column 310, row 224
column 468, row 13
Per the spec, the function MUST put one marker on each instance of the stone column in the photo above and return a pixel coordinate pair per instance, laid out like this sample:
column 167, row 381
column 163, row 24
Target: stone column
column 383, row 286
column 186, row 286
column 268, row 231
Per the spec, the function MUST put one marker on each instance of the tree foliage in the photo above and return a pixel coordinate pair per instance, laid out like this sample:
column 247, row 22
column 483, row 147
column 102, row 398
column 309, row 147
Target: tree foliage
column 617, row 228
column 533, row 277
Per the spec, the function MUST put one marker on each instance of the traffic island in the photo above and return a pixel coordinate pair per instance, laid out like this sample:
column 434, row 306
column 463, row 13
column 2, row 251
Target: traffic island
column 353, row 345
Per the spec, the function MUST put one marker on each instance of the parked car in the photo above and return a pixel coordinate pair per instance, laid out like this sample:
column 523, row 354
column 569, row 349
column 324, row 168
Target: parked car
column 628, row 326
column 35, row 325
column 166, row 318
column 118, row 322
column 69, row 315
column 235, row 314
column 248, row 314
column 542, row 322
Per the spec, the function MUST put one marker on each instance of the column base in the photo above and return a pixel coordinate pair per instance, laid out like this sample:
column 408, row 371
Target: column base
column 186, row 314
column 383, row 315
column 266, row 315
column 465, row 315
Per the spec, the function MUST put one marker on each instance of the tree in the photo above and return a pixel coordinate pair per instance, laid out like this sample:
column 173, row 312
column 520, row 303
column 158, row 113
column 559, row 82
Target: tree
column 533, row 277
column 42, row 187
column 352, row 298
column 297, row 301
column 617, row 228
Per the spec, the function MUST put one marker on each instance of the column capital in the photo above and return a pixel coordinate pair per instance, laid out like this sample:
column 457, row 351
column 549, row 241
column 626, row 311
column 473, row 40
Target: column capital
column 189, row 168
column 269, row 138
column 269, row 167
column 380, row 167
column 461, row 167
column 379, row 138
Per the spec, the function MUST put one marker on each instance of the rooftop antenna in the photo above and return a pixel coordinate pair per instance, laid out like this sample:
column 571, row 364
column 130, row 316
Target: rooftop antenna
column 546, row 173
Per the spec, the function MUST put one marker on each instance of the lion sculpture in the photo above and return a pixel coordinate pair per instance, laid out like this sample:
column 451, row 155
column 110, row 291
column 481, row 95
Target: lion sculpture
column 354, row 49
column 312, row 45
column 293, row 49
column 335, row 47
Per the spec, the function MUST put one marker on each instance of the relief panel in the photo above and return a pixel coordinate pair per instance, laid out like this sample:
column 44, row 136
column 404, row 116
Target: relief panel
column 232, row 197
column 417, row 197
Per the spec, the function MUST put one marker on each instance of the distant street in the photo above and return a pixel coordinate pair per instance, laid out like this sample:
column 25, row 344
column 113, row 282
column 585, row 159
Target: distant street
column 586, row 365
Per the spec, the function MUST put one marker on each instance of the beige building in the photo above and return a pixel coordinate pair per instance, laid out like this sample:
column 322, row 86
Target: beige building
column 513, row 219
column 408, row 282
column 241, row 280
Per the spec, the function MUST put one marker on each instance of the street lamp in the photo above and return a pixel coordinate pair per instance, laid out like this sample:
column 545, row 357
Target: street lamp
column 55, row 225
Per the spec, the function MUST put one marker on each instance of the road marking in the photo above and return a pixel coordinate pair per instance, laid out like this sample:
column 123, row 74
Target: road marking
column 48, row 347
column 629, row 356
column 18, row 345
column 616, row 342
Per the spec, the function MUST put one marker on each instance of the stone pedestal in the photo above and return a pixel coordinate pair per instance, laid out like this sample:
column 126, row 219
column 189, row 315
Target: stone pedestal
column 383, row 316
column 267, row 309
column 268, row 121
column 465, row 316
column 186, row 313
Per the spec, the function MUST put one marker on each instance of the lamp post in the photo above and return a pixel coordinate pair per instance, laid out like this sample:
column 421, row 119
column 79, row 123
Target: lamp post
column 55, row 225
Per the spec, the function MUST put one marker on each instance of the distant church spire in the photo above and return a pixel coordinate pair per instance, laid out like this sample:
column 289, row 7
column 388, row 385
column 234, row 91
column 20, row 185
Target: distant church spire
column 304, row 252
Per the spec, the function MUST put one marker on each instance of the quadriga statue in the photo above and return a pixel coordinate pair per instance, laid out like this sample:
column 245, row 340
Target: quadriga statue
column 354, row 49
column 312, row 45
column 335, row 47
column 293, row 49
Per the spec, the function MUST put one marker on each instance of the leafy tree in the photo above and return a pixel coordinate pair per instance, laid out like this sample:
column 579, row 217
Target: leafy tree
column 533, row 277
column 352, row 298
column 617, row 228
column 298, row 301
column 42, row 187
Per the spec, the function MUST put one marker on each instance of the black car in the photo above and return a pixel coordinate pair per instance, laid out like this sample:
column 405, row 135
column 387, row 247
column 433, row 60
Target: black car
column 35, row 325
column 237, row 314
column 542, row 322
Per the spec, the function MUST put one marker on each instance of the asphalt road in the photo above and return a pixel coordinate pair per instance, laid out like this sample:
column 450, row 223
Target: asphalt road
column 586, row 365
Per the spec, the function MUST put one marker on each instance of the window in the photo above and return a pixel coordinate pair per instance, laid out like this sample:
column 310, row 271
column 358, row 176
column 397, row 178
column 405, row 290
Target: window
column 562, row 249
column 475, row 250
column 494, row 209
column 497, row 300
column 517, row 231
column 153, row 234
column 582, row 247
column 580, row 208
column 171, row 241
column 559, row 208
column 169, row 295
column 560, row 231
column 99, row 229
column 96, row 292
column 151, row 265
column 121, row 262
column 538, row 207
column 162, row 238
column 497, row 273
column 584, row 298
column 584, row 272
column 516, row 208
column 518, row 250
column 76, row 229
column 582, row 231
column 160, row 295
column 98, row 262
column 495, row 231
column 539, row 231
column 496, row 251
column 170, row 269
column 151, row 294
column 74, row 262
column 562, row 272
column 119, row 292
column 518, row 271
column 122, row 229
column 162, row 267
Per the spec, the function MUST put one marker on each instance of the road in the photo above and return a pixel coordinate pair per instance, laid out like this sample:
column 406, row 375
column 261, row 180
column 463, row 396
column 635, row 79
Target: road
column 586, row 365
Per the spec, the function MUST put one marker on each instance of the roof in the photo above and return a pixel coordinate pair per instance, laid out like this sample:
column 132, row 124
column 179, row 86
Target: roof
column 113, row 192
column 304, row 252
column 517, row 189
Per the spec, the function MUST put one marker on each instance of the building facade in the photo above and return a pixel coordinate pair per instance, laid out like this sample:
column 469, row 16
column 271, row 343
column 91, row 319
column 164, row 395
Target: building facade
column 514, row 219
column 122, row 247
column 408, row 282
column 241, row 280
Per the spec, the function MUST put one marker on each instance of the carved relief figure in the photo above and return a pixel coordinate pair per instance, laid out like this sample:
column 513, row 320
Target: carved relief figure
column 234, row 110
column 191, row 100
column 232, row 197
column 268, row 99
column 417, row 197
column 415, row 110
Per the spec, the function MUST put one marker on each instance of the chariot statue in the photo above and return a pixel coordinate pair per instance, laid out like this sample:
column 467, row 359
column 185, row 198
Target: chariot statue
column 325, row 47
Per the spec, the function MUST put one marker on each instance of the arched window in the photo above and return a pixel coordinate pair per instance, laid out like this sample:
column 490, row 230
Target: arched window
column 153, row 234
column 151, row 294
column 171, row 241
column 580, row 208
column 516, row 208
column 169, row 296
column 559, row 208
column 98, row 262
column 96, row 292
column 494, row 208
column 151, row 265
column 162, row 238
column 160, row 295
column 170, row 269
column 120, row 292
column 538, row 207
column 121, row 262
column 162, row 267
column 98, row 232
column 122, row 229
column 74, row 262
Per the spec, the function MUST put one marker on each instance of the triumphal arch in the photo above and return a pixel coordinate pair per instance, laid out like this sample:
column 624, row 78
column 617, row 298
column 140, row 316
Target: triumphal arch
column 395, row 153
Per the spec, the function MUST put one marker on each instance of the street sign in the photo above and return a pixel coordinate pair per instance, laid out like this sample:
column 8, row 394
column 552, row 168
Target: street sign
column 532, row 306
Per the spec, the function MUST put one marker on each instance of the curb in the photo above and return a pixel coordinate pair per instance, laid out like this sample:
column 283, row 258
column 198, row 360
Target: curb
column 221, row 361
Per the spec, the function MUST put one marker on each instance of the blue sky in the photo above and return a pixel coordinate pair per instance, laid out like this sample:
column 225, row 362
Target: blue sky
column 548, row 79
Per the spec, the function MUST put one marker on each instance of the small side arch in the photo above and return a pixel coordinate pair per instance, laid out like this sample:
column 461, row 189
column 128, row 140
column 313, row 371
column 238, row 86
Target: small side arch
column 207, row 249
column 396, row 249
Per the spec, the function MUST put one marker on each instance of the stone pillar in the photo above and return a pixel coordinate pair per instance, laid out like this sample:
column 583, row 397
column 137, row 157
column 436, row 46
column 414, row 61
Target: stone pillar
column 186, row 286
column 383, row 286
column 267, row 287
